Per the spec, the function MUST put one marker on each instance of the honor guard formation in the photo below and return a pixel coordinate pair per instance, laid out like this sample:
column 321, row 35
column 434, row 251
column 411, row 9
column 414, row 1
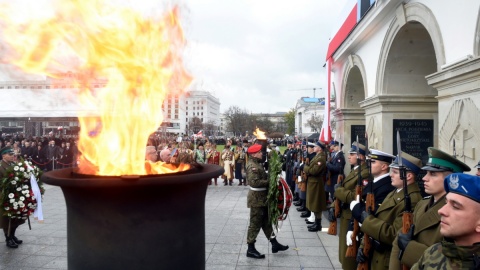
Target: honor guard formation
column 389, row 211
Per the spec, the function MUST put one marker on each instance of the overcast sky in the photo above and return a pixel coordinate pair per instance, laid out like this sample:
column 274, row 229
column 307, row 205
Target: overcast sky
column 253, row 53
column 247, row 53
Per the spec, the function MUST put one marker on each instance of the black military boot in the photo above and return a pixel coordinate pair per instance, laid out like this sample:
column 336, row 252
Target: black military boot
column 277, row 246
column 253, row 253
column 14, row 238
column 10, row 242
column 302, row 207
column 317, row 226
column 296, row 197
column 306, row 214
column 298, row 203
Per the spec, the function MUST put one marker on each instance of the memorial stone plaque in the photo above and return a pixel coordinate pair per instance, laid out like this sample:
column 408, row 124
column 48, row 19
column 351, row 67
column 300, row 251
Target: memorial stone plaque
column 358, row 130
column 416, row 136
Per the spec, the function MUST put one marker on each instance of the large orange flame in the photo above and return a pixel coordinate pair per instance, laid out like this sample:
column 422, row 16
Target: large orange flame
column 139, row 57
column 259, row 134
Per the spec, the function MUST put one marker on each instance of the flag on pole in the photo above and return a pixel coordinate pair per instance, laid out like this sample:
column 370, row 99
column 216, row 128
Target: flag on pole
column 199, row 134
column 326, row 133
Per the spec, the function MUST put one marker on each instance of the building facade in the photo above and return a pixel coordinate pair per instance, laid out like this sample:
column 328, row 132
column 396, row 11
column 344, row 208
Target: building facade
column 309, row 113
column 38, row 107
column 411, row 66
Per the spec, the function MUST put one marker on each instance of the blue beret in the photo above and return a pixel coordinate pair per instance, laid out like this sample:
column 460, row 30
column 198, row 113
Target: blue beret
column 463, row 184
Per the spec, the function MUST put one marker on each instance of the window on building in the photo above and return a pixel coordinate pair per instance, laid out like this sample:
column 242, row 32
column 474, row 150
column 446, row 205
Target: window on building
column 176, row 116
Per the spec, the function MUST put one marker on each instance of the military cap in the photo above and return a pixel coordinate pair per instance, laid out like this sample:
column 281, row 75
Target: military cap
column 410, row 162
column 439, row 161
column 337, row 143
column 463, row 184
column 309, row 144
column 382, row 156
column 320, row 144
column 254, row 149
column 354, row 148
column 478, row 165
column 6, row 150
column 289, row 142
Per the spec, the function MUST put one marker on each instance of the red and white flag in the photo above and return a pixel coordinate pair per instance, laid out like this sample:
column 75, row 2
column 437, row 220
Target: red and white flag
column 199, row 134
column 326, row 133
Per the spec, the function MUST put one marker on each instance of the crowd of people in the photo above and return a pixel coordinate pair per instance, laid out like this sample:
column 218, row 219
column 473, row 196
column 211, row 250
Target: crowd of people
column 384, row 220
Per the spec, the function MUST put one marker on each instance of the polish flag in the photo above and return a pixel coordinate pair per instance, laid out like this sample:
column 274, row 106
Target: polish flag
column 199, row 134
column 326, row 132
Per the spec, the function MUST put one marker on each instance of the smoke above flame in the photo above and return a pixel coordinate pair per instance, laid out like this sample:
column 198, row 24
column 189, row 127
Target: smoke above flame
column 140, row 59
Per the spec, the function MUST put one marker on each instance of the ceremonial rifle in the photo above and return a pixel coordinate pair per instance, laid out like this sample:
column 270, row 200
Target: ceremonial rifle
column 352, row 250
column 370, row 207
column 407, row 218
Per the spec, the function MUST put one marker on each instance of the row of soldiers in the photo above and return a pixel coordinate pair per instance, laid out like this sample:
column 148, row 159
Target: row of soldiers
column 381, row 233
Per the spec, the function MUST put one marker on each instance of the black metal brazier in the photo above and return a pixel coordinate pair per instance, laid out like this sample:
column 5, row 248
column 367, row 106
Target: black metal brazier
column 143, row 222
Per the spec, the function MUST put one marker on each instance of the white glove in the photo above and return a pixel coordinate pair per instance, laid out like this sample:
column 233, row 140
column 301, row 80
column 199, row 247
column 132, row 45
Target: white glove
column 349, row 238
column 355, row 202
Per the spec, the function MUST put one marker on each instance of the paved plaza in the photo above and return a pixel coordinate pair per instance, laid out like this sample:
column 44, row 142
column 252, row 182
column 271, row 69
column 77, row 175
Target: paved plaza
column 226, row 218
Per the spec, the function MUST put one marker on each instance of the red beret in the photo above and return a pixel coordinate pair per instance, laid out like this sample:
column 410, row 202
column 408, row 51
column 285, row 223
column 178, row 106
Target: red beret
column 254, row 148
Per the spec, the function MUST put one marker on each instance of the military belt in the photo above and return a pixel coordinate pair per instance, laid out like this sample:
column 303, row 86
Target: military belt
column 258, row 189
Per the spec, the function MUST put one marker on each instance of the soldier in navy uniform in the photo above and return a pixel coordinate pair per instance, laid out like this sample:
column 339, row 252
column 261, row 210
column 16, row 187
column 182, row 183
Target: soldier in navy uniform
column 335, row 166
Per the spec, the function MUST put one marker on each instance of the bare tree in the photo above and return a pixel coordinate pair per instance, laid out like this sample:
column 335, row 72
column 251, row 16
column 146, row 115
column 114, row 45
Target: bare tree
column 315, row 123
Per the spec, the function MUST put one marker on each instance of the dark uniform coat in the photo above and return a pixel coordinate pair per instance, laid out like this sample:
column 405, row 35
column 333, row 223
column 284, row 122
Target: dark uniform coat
column 336, row 166
column 316, row 171
column 346, row 194
column 425, row 234
column 384, row 225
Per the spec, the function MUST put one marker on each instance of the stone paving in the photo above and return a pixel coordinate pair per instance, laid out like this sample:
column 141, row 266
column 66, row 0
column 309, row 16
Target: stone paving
column 226, row 223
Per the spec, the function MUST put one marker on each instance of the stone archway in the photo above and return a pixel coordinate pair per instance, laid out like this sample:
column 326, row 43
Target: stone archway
column 412, row 49
column 350, row 118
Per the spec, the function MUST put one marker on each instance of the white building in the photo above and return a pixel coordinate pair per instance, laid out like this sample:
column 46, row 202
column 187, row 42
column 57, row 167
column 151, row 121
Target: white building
column 40, row 106
column 412, row 66
column 306, row 109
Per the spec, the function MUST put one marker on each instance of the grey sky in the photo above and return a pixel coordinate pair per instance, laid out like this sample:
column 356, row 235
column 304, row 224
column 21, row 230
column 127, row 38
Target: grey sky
column 251, row 53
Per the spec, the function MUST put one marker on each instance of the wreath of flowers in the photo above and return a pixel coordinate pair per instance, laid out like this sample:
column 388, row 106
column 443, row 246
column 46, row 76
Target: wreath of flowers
column 18, row 200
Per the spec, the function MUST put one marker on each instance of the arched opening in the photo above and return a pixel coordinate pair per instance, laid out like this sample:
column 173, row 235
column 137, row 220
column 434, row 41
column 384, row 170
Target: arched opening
column 411, row 57
column 354, row 89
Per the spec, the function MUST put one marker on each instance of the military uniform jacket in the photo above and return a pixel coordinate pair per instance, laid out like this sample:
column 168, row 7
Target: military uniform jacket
column 346, row 191
column 3, row 169
column 316, row 172
column 446, row 255
column 425, row 234
column 336, row 165
column 257, row 178
column 386, row 222
column 381, row 189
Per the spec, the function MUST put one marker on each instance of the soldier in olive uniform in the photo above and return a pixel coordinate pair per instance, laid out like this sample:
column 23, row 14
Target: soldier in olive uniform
column 460, row 222
column 316, row 171
column 426, row 229
column 384, row 225
column 345, row 192
column 11, row 240
column 257, row 202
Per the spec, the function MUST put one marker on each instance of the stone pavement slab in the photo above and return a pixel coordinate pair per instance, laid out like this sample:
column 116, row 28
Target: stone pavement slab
column 226, row 224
